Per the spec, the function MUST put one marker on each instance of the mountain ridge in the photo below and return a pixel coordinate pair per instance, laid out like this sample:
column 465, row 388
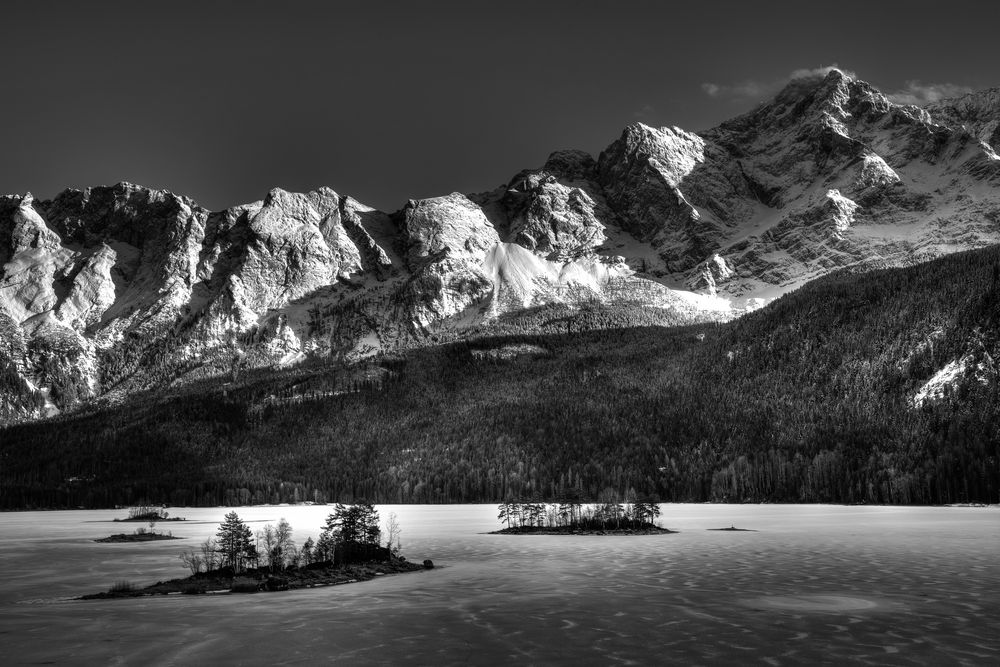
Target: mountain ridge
column 872, row 387
column 109, row 290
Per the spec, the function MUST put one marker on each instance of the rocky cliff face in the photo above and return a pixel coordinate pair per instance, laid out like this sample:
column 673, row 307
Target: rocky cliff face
column 114, row 289
column 977, row 113
column 828, row 174
column 558, row 211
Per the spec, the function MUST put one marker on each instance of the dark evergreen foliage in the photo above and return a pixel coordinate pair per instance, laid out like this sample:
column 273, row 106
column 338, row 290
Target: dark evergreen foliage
column 569, row 516
column 235, row 543
column 807, row 400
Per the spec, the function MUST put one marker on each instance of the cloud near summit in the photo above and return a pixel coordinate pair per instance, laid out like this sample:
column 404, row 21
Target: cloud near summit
column 914, row 92
column 920, row 94
column 757, row 90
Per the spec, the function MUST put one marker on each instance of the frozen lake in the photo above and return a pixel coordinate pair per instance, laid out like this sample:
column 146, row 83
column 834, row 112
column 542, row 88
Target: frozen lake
column 815, row 583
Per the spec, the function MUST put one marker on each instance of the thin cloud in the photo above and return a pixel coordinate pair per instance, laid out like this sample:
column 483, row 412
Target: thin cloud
column 818, row 72
column 742, row 90
column 750, row 90
column 919, row 94
column 647, row 111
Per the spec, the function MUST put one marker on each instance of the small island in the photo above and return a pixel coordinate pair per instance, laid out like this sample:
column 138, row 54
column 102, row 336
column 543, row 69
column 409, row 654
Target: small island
column 140, row 535
column 149, row 514
column 349, row 550
column 572, row 517
column 145, row 514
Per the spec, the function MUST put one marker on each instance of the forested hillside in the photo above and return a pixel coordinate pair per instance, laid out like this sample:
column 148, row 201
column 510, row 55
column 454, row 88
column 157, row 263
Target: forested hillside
column 812, row 399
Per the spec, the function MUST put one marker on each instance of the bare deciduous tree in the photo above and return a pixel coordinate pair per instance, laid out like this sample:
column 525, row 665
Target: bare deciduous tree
column 265, row 545
column 209, row 554
column 192, row 560
column 393, row 531
column 284, row 546
column 275, row 544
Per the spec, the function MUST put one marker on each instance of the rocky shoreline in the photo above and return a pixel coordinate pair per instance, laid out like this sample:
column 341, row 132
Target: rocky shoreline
column 136, row 537
column 253, row 581
column 571, row 530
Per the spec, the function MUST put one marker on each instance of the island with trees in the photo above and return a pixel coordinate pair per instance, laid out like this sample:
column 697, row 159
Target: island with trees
column 148, row 514
column 237, row 560
column 144, row 513
column 573, row 517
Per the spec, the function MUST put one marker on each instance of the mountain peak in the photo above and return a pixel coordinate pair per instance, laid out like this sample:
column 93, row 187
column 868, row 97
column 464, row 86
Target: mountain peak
column 835, row 73
column 825, row 98
column 570, row 164
column 808, row 81
column 828, row 174
column 833, row 87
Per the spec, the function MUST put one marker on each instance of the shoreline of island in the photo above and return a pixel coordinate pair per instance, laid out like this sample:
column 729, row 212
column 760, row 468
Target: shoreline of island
column 260, row 580
column 572, row 530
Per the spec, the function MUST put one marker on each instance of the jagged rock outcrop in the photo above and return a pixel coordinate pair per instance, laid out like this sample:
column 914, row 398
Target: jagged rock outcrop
column 828, row 174
column 446, row 240
column 110, row 290
column 642, row 174
column 557, row 211
column 978, row 113
column 710, row 273
column 123, row 286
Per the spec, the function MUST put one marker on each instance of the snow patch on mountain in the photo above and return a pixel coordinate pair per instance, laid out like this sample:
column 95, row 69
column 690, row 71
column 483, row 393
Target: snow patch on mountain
column 521, row 276
column 843, row 211
column 711, row 272
column 943, row 383
column 875, row 173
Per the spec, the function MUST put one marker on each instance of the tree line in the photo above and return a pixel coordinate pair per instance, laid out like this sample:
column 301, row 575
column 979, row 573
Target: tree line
column 807, row 400
column 350, row 534
column 570, row 513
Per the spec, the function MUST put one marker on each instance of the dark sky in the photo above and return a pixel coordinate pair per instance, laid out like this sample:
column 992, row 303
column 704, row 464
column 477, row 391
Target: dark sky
column 391, row 100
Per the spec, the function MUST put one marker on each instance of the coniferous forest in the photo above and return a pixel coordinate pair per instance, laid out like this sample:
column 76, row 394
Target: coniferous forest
column 807, row 400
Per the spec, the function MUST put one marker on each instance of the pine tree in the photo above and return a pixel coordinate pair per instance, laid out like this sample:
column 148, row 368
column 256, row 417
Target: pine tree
column 506, row 512
column 326, row 546
column 356, row 523
column 235, row 543
column 306, row 555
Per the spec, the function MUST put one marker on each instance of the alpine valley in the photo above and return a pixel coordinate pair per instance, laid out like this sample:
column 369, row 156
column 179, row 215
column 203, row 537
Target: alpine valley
column 800, row 304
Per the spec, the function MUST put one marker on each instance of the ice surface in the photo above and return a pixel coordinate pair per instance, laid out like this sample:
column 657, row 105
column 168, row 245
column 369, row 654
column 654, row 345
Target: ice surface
column 814, row 584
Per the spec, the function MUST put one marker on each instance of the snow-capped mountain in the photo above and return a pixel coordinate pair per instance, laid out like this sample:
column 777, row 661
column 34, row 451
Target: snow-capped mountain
column 828, row 174
column 113, row 289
